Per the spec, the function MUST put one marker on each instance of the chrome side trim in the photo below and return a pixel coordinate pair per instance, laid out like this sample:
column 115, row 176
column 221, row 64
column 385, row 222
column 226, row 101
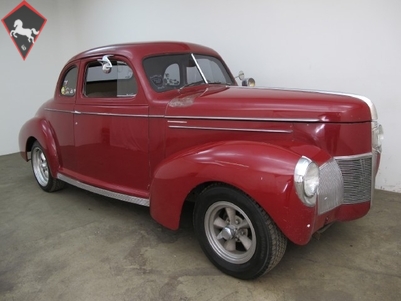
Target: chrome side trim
column 112, row 114
column 245, row 118
column 193, row 117
column 176, row 121
column 108, row 193
column 105, row 114
column 59, row 111
column 228, row 129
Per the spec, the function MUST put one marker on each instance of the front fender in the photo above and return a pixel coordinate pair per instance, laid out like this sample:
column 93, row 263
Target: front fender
column 263, row 171
column 39, row 129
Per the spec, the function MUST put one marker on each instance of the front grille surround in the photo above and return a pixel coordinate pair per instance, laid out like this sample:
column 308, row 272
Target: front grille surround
column 345, row 180
column 357, row 172
column 331, row 187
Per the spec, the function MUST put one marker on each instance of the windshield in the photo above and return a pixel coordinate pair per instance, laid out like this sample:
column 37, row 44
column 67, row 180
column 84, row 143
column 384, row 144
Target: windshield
column 168, row 72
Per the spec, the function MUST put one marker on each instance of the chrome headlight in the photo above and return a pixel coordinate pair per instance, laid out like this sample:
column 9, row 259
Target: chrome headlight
column 306, row 177
column 377, row 136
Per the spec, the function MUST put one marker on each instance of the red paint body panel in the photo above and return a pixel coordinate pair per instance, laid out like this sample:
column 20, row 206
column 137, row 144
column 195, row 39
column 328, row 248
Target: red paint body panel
column 113, row 149
column 161, row 146
column 270, row 103
column 40, row 129
column 264, row 171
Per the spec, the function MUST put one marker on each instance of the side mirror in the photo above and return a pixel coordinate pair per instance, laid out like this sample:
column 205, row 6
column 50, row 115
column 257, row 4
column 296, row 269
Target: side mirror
column 245, row 81
column 106, row 64
column 241, row 75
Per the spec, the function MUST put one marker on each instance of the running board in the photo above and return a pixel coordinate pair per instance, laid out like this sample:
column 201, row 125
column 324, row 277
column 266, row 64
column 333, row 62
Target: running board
column 108, row 193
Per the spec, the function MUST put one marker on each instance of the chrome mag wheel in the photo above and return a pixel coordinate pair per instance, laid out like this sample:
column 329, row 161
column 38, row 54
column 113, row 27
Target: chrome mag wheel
column 230, row 232
column 40, row 166
column 41, row 170
column 236, row 233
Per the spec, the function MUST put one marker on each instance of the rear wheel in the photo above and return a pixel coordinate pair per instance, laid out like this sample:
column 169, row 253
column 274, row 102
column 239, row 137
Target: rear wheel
column 236, row 234
column 41, row 170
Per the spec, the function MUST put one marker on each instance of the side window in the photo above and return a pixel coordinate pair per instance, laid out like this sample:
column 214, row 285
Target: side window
column 69, row 83
column 118, row 82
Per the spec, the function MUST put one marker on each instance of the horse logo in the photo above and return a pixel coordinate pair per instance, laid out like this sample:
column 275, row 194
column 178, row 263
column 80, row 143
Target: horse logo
column 23, row 31
column 24, row 38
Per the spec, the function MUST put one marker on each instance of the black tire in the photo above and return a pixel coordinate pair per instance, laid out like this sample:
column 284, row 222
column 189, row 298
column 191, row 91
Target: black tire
column 245, row 248
column 41, row 170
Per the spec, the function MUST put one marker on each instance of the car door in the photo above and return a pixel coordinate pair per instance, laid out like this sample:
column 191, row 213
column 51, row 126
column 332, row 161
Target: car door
column 60, row 116
column 111, row 127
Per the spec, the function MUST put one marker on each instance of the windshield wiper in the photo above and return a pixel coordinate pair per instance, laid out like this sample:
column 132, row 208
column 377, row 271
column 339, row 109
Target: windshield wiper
column 220, row 83
column 192, row 84
column 202, row 82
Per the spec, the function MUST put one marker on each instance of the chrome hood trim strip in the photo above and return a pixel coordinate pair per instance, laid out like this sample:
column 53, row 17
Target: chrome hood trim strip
column 246, row 118
column 359, row 156
column 228, row 129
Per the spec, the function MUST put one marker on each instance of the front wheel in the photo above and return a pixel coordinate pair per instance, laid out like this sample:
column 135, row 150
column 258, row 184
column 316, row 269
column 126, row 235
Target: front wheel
column 41, row 170
column 236, row 234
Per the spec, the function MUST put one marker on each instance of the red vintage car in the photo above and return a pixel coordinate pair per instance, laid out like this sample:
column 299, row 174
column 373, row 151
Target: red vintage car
column 164, row 123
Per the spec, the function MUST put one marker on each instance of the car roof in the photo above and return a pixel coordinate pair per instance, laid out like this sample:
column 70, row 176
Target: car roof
column 145, row 49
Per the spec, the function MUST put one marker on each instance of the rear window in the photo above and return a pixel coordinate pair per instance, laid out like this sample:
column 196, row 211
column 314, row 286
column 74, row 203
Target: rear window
column 69, row 83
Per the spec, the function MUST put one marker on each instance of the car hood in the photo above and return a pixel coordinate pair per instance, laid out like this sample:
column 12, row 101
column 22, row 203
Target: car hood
column 267, row 104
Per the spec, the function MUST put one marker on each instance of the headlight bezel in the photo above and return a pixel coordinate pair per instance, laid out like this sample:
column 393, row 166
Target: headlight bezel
column 306, row 178
column 377, row 136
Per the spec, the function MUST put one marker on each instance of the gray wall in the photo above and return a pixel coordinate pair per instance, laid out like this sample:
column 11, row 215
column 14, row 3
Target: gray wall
column 337, row 45
column 25, row 85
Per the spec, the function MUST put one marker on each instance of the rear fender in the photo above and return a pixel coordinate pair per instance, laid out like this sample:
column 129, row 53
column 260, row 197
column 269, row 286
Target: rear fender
column 40, row 130
column 263, row 171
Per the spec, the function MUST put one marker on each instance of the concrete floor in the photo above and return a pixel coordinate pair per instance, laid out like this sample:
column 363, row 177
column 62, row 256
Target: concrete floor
column 75, row 245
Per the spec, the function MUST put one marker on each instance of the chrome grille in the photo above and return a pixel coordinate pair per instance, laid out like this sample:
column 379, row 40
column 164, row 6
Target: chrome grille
column 357, row 177
column 330, row 194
